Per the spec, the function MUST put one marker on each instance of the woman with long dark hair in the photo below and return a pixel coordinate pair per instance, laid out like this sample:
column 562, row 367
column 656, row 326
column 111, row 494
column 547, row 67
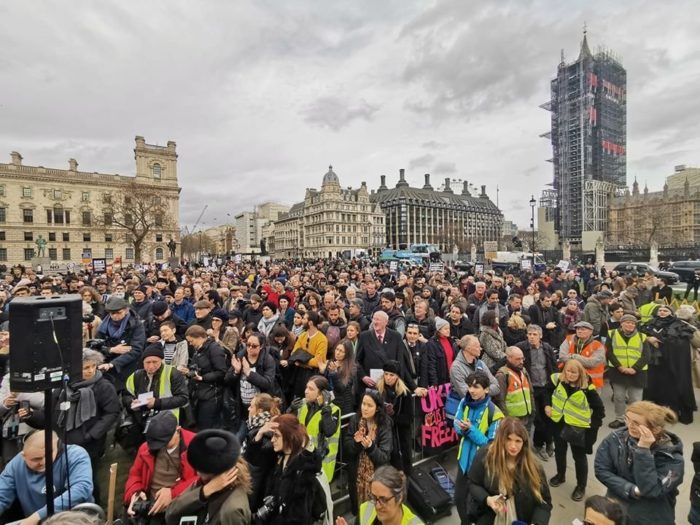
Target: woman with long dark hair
column 367, row 445
column 341, row 372
column 507, row 482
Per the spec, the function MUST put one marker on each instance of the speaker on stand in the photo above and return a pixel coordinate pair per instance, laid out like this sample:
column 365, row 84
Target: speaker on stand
column 46, row 349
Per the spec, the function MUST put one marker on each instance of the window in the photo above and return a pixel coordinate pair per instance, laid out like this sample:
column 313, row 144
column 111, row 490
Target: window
column 28, row 254
column 87, row 218
column 57, row 194
column 66, row 215
column 109, row 253
column 159, row 237
column 3, row 214
column 58, row 215
column 2, row 236
column 3, row 254
column 65, row 255
column 27, row 215
column 107, row 198
column 108, row 237
column 159, row 254
column 53, row 254
column 128, row 219
column 85, row 196
column 52, row 236
column 87, row 253
column 28, row 236
column 127, row 200
column 129, row 253
column 157, row 201
column 108, row 218
column 26, row 192
column 2, row 190
column 49, row 216
column 66, row 237
column 159, row 221
column 86, row 237
column 156, row 171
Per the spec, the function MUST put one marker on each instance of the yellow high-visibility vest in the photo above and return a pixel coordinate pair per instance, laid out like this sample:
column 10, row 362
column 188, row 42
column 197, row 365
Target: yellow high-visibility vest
column 314, row 431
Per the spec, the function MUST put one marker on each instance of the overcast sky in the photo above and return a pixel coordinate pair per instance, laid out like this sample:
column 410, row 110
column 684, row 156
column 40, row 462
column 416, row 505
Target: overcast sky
column 261, row 96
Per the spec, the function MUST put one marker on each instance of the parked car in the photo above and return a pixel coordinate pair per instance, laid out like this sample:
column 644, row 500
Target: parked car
column 626, row 268
column 684, row 269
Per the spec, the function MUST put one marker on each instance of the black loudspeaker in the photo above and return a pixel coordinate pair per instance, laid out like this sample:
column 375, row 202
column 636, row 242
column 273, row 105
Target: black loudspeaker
column 37, row 361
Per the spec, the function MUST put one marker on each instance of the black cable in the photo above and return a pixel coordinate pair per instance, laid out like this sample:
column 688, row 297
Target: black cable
column 64, row 386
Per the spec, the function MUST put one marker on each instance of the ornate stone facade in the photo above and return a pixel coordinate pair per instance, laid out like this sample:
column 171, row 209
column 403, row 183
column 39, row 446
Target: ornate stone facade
column 66, row 207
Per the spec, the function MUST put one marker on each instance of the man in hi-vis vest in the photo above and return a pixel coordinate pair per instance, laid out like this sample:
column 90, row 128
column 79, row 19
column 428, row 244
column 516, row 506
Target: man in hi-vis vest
column 516, row 397
column 153, row 388
column 628, row 355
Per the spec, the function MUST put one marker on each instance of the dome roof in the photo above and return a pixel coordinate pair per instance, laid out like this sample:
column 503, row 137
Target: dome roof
column 331, row 177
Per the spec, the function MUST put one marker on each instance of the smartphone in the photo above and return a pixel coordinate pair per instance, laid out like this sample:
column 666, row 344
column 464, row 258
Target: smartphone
column 24, row 404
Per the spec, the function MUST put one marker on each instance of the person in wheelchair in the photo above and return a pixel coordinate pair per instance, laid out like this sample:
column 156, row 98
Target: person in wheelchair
column 154, row 388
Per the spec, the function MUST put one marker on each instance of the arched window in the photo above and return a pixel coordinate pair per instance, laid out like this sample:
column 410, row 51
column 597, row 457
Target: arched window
column 159, row 254
column 156, row 171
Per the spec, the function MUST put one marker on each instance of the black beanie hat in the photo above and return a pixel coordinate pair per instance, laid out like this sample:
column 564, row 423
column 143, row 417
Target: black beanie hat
column 159, row 307
column 392, row 367
column 154, row 350
column 213, row 451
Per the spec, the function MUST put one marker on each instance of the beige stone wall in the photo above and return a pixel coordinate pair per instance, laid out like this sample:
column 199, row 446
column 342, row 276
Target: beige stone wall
column 67, row 193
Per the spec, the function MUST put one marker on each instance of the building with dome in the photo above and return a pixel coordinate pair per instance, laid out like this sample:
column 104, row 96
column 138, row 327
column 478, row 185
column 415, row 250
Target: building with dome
column 330, row 222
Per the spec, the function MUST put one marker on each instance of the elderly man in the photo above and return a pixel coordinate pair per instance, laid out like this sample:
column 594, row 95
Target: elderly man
column 124, row 336
column 596, row 310
column 24, row 478
column 583, row 347
column 378, row 345
column 466, row 363
column 516, row 397
column 540, row 363
column 628, row 355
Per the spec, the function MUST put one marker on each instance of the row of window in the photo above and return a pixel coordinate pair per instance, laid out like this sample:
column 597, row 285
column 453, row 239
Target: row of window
column 66, row 254
column 65, row 237
column 58, row 215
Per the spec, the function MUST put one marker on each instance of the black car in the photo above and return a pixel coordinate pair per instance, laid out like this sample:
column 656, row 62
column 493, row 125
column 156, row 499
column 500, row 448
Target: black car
column 685, row 269
column 626, row 268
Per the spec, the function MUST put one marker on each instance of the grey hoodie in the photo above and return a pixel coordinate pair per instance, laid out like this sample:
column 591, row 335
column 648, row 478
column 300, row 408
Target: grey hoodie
column 461, row 370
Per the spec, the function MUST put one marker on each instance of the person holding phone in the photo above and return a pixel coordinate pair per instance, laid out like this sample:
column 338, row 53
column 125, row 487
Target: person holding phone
column 642, row 464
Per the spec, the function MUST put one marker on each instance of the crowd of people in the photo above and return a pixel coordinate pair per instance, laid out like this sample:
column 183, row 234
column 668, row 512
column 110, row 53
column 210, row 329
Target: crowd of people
column 236, row 389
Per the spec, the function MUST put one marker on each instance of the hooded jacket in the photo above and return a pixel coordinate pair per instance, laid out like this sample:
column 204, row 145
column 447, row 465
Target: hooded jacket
column 621, row 465
column 461, row 370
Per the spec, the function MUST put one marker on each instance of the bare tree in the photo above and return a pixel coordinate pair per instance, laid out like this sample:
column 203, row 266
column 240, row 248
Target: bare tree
column 134, row 213
column 196, row 243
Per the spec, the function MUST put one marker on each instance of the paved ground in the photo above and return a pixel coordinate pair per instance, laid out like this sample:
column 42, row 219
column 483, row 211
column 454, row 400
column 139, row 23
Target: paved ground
column 565, row 509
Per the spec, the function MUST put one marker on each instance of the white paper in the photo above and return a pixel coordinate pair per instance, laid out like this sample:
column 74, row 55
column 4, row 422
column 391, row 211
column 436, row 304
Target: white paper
column 143, row 399
column 376, row 373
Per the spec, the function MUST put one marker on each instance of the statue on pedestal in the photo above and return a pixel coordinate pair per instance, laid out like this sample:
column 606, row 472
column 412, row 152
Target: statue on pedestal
column 40, row 246
column 172, row 246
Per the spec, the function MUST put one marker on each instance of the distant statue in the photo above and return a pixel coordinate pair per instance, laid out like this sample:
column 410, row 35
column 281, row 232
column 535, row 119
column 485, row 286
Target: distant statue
column 172, row 245
column 40, row 246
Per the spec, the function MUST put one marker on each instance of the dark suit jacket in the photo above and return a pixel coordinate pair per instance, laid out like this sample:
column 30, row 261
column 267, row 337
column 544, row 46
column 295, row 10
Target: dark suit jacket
column 370, row 354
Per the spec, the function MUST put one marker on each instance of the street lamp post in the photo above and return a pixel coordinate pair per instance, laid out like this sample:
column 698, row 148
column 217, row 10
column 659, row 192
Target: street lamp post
column 532, row 226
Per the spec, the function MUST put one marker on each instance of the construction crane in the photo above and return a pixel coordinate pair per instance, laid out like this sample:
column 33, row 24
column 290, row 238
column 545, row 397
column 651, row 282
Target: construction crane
column 194, row 228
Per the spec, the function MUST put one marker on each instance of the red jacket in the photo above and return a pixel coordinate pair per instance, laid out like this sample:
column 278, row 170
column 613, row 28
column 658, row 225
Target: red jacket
column 141, row 472
column 274, row 297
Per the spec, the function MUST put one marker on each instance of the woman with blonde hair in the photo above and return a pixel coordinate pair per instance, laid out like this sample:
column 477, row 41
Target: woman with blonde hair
column 507, row 482
column 577, row 412
column 642, row 465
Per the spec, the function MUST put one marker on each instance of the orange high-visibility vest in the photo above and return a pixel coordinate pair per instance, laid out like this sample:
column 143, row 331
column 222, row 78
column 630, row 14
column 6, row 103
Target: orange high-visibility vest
column 596, row 372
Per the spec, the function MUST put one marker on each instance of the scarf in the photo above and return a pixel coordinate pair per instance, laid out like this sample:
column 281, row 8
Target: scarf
column 82, row 404
column 258, row 420
column 115, row 331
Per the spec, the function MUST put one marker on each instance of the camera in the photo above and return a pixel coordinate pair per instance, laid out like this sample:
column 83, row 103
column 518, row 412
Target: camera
column 98, row 345
column 192, row 371
column 266, row 510
column 141, row 508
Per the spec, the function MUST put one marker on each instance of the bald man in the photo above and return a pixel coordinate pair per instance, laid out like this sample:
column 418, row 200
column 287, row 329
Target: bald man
column 24, row 478
column 516, row 397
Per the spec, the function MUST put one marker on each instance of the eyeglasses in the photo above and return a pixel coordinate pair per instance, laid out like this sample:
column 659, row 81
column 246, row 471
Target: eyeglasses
column 253, row 346
column 380, row 500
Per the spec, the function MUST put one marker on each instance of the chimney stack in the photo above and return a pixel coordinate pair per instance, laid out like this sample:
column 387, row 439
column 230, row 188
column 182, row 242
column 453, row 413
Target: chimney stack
column 382, row 186
column 465, row 189
column 16, row 158
column 447, row 186
column 402, row 179
column 483, row 192
column 427, row 185
column 72, row 165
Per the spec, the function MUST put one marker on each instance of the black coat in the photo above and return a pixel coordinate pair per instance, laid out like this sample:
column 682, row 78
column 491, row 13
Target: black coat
column 550, row 358
column 135, row 336
column 597, row 413
column 152, row 325
column 434, row 369
column 542, row 317
column 371, row 354
column 527, row 507
column 295, row 488
column 261, row 458
column 465, row 327
column 210, row 361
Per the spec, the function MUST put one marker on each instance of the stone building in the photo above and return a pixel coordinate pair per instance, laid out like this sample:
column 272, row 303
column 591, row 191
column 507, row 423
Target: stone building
column 77, row 213
column 444, row 218
column 330, row 222
column 253, row 227
column 670, row 217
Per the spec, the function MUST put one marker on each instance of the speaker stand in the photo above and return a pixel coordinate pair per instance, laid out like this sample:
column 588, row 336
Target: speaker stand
column 48, row 445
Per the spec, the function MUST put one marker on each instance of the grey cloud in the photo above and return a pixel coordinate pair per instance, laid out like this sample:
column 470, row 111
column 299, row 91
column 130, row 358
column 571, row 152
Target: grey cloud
column 445, row 168
column 422, row 161
column 336, row 113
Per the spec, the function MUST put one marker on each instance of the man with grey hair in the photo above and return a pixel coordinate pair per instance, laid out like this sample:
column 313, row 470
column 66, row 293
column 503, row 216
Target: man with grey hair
column 540, row 363
column 378, row 345
column 467, row 362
